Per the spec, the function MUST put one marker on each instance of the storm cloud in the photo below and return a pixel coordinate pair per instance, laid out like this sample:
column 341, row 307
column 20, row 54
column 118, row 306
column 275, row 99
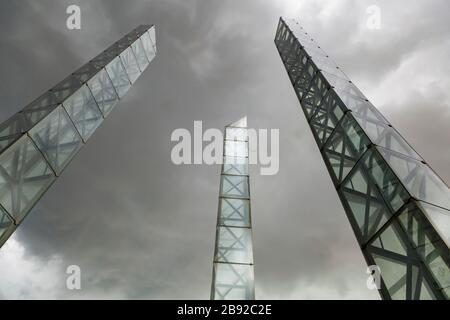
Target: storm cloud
column 141, row 227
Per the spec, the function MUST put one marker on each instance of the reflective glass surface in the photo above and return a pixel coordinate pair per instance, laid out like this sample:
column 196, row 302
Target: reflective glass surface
column 234, row 212
column 118, row 76
column 236, row 148
column 234, row 245
column 239, row 134
column 39, row 108
column 84, row 112
column 418, row 178
column 235, row 165
column 130, row 63
column 233, row 282
column 234, row 186
column 139, row 52
column 103, row 91
column 439, row 218
column 5, row 224
column 57, row 138
column 385, row 136
column 24, row 177
column 148, row 46
column 11, row 130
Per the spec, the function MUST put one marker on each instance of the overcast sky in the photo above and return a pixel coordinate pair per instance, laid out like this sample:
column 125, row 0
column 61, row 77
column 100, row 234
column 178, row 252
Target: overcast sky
column 141, row 227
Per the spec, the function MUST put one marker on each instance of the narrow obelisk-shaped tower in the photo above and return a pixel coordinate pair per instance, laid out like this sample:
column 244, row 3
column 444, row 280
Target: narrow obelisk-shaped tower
column 233, row 255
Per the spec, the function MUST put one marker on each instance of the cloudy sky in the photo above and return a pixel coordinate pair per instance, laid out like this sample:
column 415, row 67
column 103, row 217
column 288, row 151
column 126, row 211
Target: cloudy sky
column 141, row 227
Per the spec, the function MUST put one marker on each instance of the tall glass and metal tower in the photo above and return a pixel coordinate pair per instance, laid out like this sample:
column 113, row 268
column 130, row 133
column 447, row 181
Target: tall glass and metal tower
column 233, row 254
column 397, row 205
column 38, row 142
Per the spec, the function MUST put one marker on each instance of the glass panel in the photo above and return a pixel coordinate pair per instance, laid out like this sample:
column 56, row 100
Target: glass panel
column 343, row 87
column 287, row 44
column 5, row 224
column 390, row 240
column 84, row 112
column 127, row 40
column 233, row 282
column 130, row 64
column 152, row 33
column 366, row 204
column 292, row 56
column 426, row 240
column 234, row 212
column 240, row 134
column 438, row 267
column 385, row 136
column 297, row 30
column 140, row 55
column 65, row 88
column 118, row 76
column 393, row 274
column 418, row 178
column 345, row 146
column 426, row 293
column 420, row 232
column 116, row 48
column 234, row 245
column 103, row 91
column 446, row 293
column 86, row 72
column 313, row 49
column 298, row 65
column 57, row 139
column 303, row 81
column 11, row 130
column 280, row 29
column 148, row 46
column 103, row 58
column 324, row 63
column 440, row 218
column 234, row 186
column 317, row 90
column 235, row 165
column 241, row 123
column 364, row 109
column 39, row 108
column 24, row 177
column 326, row 117
column 388, row 184
column 236, row 148
column 390, row 257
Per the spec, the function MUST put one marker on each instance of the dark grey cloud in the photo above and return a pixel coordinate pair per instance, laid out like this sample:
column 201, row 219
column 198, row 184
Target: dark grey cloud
column 141, row 227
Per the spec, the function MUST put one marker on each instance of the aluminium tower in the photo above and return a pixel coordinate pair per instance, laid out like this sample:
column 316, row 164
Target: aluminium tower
column 398, row 207
column 38, row 142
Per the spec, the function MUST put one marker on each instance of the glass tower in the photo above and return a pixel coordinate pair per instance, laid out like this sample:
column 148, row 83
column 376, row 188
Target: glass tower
column 398, row 207
column 38, row 142
column 233, row 254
